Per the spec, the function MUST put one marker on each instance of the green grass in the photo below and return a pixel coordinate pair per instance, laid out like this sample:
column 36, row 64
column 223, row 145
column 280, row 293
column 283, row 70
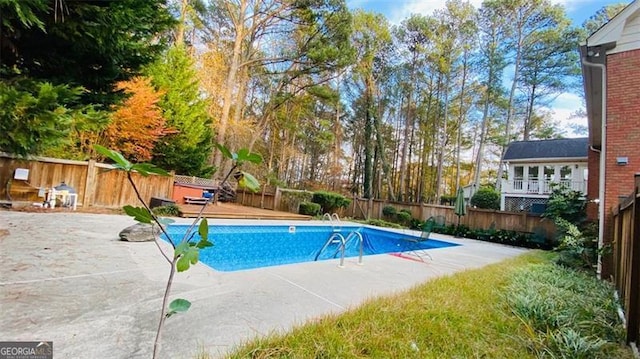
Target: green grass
column 467, row 315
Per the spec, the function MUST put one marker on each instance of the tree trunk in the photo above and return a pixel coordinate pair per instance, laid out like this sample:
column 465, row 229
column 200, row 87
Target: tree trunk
column 443, row 141
column 181, row 22
column 527, row 120
column 368, row 145
column 510, row 106
column 461, row 117
column 230, row 84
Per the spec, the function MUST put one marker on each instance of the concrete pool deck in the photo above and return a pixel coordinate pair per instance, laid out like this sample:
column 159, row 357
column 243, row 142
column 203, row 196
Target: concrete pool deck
column 67, row 278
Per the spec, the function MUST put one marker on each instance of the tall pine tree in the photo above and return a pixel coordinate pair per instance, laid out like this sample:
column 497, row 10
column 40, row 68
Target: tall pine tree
column 187, row 151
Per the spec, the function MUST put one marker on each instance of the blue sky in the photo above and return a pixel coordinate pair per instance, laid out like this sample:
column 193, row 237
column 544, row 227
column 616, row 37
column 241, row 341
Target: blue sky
column 578, row 10
column 396, row 10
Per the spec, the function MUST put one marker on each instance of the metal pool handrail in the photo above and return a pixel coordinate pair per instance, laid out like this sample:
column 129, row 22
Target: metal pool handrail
column 334, row 219
column 334, row 236
column 351, row 235
column 343, row 245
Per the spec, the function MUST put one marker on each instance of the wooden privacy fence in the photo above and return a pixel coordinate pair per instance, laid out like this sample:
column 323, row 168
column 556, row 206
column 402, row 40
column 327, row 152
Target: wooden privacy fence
column 626, row 258
column 362, row 208
column 96, row 183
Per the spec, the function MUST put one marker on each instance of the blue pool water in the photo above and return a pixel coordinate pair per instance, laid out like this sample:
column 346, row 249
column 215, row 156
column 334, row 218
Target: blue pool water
column 246, row 247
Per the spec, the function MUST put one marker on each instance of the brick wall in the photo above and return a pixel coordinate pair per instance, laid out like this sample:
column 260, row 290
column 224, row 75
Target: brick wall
column 623, row 124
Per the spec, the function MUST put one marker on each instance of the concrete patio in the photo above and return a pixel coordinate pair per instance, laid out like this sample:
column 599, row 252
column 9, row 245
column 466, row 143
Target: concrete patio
column 65, row 277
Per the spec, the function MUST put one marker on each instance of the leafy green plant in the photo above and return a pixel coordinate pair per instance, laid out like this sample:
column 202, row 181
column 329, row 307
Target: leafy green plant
column 293, row 199
column 382, row 223
column 330, row 201
column 447, row 200
column 567, row 204
column 185, row 251
column 389, row 211
column 486, row 197
column 309, row 208
column 36, row 116
column 171, row 210
column 577, row 239
column 514, row 238
column 404, row 217
column 568, row 314
column 577, row 249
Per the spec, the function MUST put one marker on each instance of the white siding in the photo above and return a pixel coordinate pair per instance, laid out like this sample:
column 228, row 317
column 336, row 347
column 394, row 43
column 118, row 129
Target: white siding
column 624, row 30
column 630, row 36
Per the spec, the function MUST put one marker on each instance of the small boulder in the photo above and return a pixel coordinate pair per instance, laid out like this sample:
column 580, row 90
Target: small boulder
column 139, row 232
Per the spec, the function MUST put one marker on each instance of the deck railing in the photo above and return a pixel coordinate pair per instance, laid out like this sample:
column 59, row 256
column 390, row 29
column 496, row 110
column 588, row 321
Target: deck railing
column 541, row 186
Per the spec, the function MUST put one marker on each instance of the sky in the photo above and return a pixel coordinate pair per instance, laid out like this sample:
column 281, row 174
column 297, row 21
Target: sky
column 564, row 106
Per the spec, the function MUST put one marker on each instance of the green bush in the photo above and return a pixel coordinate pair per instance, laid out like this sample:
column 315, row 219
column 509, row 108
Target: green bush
column 403, row 217
column 447, row 200
column 170, row 210
column 389, row 211
column 487, row 198
column 577, row 249
column 292, row 199
column 382, row 223
column 519, row 239
column 309, row 208
column 330, row 201
column 577, row 239
column 567, row 204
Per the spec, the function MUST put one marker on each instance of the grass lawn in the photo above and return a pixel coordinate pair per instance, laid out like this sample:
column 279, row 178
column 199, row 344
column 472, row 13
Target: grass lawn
column 466, row 315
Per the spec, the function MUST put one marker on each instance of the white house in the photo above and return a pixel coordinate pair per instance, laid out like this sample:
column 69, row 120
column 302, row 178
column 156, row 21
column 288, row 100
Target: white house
column 534, row 166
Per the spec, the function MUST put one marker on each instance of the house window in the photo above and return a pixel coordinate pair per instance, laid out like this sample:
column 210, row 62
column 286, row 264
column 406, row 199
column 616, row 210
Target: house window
column 518, row 176
column 533, row 172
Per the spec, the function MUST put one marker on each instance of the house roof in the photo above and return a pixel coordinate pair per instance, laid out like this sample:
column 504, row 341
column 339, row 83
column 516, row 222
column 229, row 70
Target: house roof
column 559, row 148
column 617, row 35
column 621, row 29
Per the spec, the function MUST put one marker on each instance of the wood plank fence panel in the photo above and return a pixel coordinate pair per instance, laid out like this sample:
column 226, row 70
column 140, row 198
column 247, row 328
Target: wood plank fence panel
column 626, row 259
column 96, row 183
column 361, row 208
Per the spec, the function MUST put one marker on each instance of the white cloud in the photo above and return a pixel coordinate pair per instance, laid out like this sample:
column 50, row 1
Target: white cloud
column 568, row 101
column 566, row 118
column 406, row 8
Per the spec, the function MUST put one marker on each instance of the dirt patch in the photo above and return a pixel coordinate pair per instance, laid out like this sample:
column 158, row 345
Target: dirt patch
column 97, row 210
column 3, row 233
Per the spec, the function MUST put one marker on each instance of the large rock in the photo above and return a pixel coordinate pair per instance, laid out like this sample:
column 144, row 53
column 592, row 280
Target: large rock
column 140, row 232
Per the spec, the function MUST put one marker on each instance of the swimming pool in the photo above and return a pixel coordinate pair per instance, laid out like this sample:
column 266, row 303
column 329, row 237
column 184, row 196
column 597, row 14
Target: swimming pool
column 238, row 247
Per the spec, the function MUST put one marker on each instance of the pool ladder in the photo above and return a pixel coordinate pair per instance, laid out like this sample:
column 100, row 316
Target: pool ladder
column 334, row 219
column 338, row 238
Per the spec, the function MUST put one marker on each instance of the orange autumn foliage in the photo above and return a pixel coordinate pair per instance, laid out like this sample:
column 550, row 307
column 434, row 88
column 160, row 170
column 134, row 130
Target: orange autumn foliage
column 137, row 124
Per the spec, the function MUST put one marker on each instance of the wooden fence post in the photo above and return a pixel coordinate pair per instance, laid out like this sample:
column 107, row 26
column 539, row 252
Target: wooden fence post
column 353, row 207
column 276, row 199
column 172, row 182
column 90, row 184
column 632, row 321
column 617, row 248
